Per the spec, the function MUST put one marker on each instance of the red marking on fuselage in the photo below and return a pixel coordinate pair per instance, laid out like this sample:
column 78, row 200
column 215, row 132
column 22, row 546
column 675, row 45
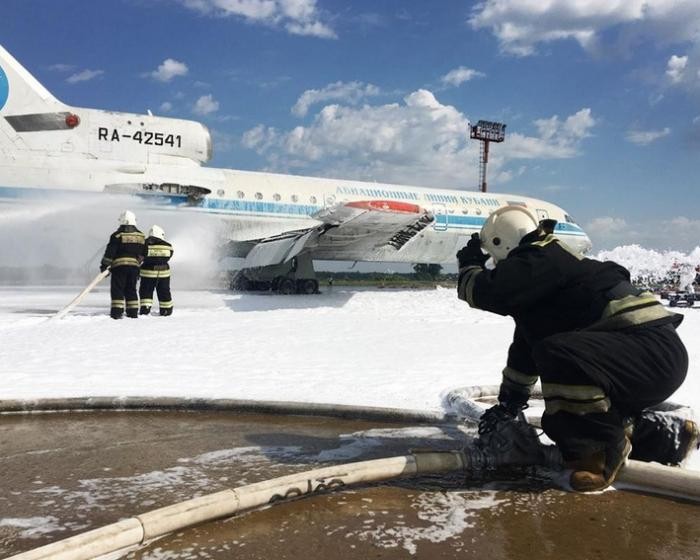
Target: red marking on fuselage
column 386, row 206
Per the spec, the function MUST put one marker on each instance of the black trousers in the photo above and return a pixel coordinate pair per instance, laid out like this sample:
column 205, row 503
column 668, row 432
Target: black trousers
column 123, row 287
column 162, row 288
column 596, row 379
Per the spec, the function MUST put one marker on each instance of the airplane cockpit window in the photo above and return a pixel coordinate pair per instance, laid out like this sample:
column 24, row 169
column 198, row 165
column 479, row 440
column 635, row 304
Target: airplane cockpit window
column 312, row 200
column 258, row 196
column 295, row 198
column 569, row 219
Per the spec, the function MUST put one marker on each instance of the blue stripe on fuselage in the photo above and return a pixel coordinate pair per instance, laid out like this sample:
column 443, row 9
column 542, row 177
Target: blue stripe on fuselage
column 250, row 207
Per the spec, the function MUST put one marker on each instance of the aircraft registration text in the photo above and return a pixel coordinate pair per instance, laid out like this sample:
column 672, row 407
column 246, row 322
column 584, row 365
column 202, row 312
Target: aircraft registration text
column 140, row 136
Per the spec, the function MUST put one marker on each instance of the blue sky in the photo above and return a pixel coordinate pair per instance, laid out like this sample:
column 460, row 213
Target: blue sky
column 601, row 97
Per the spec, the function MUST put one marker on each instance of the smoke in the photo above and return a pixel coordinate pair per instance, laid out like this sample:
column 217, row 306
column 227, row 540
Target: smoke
column 62, row 239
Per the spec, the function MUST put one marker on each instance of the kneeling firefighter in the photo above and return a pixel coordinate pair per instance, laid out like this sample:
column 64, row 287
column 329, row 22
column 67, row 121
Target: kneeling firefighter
column 155, row 273
column 123, row 256
column 603, row 349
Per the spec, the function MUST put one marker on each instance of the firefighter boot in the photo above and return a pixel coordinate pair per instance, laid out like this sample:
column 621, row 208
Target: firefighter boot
column 166, row 312
column 690, row 438
column 116, row 312
column 598, row 470
column 145, row 310
column 132, row 313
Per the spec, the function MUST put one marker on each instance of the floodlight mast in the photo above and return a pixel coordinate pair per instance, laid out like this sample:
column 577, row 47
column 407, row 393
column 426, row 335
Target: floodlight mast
column 486, row 131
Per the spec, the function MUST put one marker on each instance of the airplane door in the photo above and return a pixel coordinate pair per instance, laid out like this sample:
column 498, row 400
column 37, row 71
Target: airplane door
column 440, row 214
column 542, row 215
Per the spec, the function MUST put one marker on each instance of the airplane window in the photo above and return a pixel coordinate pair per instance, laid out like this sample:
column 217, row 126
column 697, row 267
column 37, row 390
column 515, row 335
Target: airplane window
column 478, row 211
column 312, row 200
column 295, row 198
column 221, row 192
column 276, row 197
column 258, row 195
column 240, row 194
column 465, row 210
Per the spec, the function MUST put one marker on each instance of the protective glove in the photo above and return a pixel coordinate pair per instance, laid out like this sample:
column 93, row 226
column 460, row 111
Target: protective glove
column 514, row 401
column 104, row 265
column 508, row 439
column 494, row 416
column 471, row 254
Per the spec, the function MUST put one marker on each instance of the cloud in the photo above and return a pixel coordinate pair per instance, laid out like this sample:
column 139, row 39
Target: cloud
column 169, row 69
column 675, row 68
column 298, row 17
column 608, row 231
column 416, row 141
column 555, row 139
column 205, row 105
column 606, row 224
column 520, row 25
column 680, row 232
column 460, row 75
column 62, row 67
column 166, row 107
column 645, row 137
column 350, row 92
column 84, row 76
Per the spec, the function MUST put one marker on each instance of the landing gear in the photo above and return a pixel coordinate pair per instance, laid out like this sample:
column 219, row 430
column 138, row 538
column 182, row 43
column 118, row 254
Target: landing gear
column 308, row 286
column 286, row 286
column 297, row 276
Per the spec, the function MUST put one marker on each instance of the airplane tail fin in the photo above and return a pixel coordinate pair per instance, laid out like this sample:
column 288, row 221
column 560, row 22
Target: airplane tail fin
column 20, row 92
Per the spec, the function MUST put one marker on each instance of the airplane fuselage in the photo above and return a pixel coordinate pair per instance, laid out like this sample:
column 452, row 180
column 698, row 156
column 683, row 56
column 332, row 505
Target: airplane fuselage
column 48, row 148
column 267, row 204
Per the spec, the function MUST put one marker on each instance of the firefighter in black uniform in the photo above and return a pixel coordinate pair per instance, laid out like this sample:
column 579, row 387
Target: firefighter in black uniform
column 123, row 257
column 603, row 349
column 155, row 273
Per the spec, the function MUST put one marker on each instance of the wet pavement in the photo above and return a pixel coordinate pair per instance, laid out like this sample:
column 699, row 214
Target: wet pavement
column 63, row 474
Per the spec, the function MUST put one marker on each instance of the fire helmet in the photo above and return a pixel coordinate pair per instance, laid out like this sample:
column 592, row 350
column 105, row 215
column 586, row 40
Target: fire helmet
column 127, row 218
column 504, row 229
column 157, row 232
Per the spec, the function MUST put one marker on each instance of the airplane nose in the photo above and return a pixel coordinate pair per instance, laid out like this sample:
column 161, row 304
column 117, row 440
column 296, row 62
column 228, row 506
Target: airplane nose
column 586, row 245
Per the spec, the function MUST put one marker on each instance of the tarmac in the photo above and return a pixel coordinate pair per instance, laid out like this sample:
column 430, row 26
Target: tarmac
column 66, row 473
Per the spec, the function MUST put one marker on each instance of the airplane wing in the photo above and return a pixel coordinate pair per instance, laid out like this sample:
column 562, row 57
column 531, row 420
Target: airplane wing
column 361, row 230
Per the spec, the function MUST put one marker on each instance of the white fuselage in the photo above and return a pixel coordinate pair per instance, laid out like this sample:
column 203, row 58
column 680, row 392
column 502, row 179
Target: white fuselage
column 257, row 204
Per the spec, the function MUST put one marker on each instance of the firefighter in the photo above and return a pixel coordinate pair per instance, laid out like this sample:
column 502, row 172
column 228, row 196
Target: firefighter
column 155, row 273
column 602, row 349
column 123, row 257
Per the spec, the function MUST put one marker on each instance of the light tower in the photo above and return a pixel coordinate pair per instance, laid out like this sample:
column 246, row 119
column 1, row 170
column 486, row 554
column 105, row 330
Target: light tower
column 486, row 131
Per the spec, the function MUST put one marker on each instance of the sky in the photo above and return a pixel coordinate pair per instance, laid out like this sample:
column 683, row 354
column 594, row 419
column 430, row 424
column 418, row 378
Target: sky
column 601, row 98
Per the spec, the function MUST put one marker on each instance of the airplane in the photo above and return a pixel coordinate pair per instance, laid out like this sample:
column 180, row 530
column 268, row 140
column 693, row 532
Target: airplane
column 278, row 224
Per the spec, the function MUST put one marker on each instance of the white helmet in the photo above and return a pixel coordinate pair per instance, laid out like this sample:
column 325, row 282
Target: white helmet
column 156, row 231
column 504, row 229
column 127, row 218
